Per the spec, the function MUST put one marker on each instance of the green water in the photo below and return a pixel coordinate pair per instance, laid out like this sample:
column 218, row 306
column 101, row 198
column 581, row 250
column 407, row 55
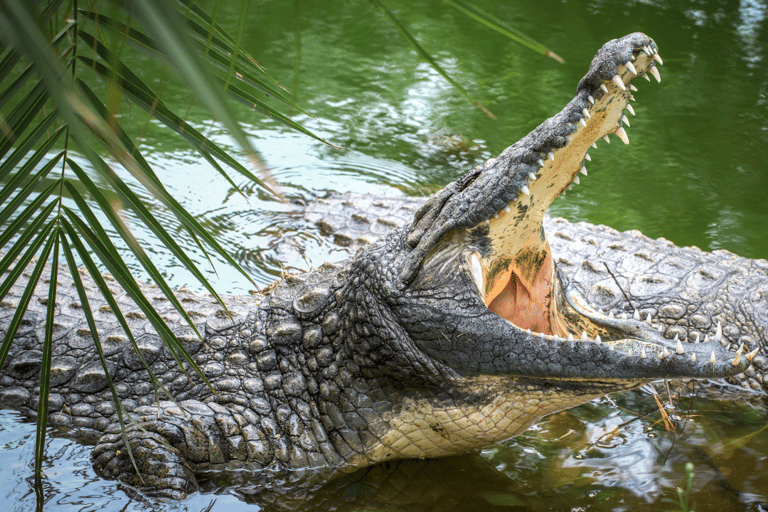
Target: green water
column 695, row 172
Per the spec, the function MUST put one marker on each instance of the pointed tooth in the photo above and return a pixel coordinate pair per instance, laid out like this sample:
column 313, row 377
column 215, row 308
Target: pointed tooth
column 597, row 339
column 606, row 139
column 693, row 358
column 632, row 98
column 487, row 221
column 741, row 349
column 697, row 338
column 587, row 157
column 624, row 315
column 646, row 77
column 655, row 73
column 591, row 99
column 594, row 145
column 570, row 337
column 736, row 360
column 576, row 179
column 570, row 186
column 610, row 314
column 643, row 355
column 625, row 120
column 586, row 113
column 611, row 347
column 631, row 67
column 629, row 353
column 660, row 328
column 551, row 156
column 706, row 338
column 507, row 209
column 657, row 58
column 662, row 354
column 632, row 88
column 582, row 122
column 583, row 170
column 603, row 87
column 622, row 134
column 584, row 336
column 631, row 110
column 525, row 190
column 648, row 51
column 636, row 316
column 532, row 176
column 752, row 354
column 540, row 162
column 648, row 318
column 679, row 349
column 619, row 82
column 529, row 331
column 712, row 359
column 600, row 310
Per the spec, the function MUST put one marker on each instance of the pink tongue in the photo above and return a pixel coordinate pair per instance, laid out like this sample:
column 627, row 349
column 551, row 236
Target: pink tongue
column 527, row 305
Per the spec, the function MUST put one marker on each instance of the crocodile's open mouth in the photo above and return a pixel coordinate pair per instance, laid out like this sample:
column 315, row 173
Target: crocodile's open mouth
column 516, row 275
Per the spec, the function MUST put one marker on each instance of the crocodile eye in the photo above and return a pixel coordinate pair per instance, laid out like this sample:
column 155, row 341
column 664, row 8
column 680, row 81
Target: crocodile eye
column 468, row 182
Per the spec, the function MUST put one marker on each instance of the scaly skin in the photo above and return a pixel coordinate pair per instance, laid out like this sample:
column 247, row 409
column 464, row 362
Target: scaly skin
column 687, row 291
column 397, row 353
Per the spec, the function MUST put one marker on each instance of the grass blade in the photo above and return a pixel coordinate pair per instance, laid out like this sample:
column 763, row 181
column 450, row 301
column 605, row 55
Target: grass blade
column 499, row 26
column 45, row 364
column 416, row 46
column 5, row 213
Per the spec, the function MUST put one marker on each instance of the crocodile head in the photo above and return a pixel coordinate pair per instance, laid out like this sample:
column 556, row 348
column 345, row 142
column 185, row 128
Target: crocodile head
column 482, row 235
column 467, row 300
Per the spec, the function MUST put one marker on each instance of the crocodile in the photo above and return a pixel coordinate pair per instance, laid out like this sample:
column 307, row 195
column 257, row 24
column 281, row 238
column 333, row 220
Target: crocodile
column 451, row 333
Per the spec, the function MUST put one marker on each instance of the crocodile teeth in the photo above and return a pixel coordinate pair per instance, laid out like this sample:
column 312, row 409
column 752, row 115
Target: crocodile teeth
column 551, row 156
column 631, row 68
column 582, row 122
column 648, row 318
column 583, row 169
column 655, row 72
column 625, row 120
column 576, row 179
column 586, row 113
column 606, row 139
column 540, row 162
column 591, row 99
column 636, row 316
column 587, row 157
column 736, row 360
column 643, row 355
column 570, row 337
column 679, row 349
column 594, row 145
column 752, row 354
column 603, row 87
column 597, row 339
column 712, row 359
column 631, row 110
column 718, row 333
column 697, row 338
column 619, row 82
column 629, row 353
column 507, row 209
column 584, row 336
column 693, row 358
column 664, row 353
column 648, row 51
column 525, row 190
column 657, row 58
column 532, row 176
column 622, row 134
column 646, row 77
column 632, row 98
column 632, row 88
column 661, row 328
column 610, row 314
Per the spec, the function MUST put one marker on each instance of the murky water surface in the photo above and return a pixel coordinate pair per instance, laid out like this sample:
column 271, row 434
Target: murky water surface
column 696, row 172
